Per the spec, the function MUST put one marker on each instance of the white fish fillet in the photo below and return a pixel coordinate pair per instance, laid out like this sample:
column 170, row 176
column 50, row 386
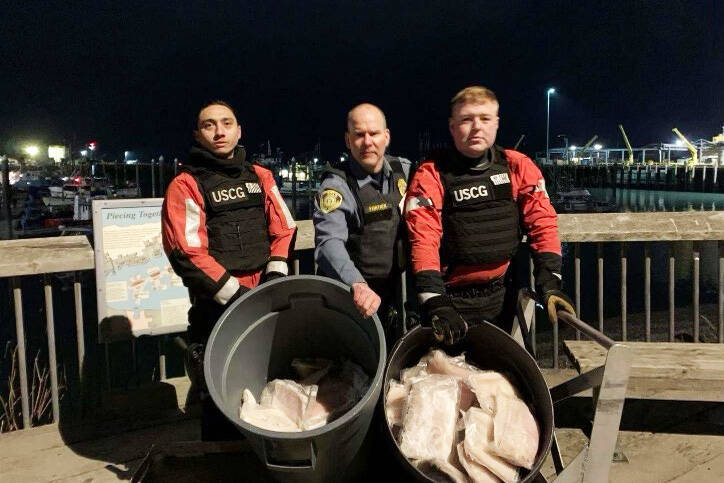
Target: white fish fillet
column 476, row 472
column 395, row 403
column 428, row 429
column 440, row 363
column 487, row 385
column 515, row 432
column 440, row 471
column 479, row 438
column 271, row 419
column 288, row 396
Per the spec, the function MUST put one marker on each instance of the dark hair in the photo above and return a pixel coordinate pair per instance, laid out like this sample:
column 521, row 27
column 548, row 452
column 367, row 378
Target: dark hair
column 215, row 102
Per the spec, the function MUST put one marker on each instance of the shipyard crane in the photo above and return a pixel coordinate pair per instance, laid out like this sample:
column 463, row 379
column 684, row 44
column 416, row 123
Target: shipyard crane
column 630, row 159
column 587, row 146
column 694, row 158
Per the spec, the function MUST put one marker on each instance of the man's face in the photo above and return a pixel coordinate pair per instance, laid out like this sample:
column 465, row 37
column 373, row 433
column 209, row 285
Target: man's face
column 367, row 137
column 217, row 130
column 473, row 127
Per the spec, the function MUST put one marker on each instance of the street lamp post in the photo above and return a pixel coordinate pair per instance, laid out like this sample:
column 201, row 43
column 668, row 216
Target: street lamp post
column 548, row 122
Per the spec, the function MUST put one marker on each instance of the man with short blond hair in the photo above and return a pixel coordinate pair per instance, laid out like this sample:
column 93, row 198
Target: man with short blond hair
column 357, row 217
column 466, row 210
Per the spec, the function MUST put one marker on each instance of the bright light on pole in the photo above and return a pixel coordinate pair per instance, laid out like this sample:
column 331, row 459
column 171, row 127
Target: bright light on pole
column 31, row 150
column 679, row 142
column 548, row 121
column 597, row 147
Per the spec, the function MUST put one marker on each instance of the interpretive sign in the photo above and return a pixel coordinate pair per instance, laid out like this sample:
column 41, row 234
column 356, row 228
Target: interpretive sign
column 138, row 292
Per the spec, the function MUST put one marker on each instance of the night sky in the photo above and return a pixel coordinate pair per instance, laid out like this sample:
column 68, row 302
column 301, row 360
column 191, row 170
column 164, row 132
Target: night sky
column 132, row 74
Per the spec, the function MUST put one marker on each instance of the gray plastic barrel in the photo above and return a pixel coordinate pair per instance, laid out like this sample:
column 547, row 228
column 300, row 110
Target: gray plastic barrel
column 255, row 340
column 490, row 348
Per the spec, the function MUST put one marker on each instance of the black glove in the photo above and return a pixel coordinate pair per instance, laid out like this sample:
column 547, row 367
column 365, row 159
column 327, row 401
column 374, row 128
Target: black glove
column 445, row 321
column 555, row 300
column 239, row 292
column 269, row 276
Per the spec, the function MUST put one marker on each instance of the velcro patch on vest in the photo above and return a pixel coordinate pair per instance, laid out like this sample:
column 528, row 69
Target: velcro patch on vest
column 471, row 194
column 226, row 195
column 377, row 211
column 253, row 187
column 330, row 200
column 501, row 178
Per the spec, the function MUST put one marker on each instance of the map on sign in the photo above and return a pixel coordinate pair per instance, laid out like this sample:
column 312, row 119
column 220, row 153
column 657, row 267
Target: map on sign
column 138, row 292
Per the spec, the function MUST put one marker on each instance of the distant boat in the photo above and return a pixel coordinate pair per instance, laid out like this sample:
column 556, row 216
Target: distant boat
column 580, row 200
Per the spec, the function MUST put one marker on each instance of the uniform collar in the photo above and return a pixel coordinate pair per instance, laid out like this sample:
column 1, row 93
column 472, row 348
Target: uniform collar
column 363, row 177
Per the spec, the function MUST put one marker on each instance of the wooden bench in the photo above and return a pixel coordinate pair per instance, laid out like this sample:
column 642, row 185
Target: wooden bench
column 662, row 370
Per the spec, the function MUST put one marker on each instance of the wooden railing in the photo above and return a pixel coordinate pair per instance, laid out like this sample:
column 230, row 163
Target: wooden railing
column 41, row 257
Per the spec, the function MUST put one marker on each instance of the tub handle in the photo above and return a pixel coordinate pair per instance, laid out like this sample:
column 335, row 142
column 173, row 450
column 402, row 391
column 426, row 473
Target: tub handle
column 289, row 466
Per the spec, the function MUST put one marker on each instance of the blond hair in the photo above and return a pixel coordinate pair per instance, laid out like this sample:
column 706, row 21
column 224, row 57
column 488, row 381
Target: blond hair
column 476, row 94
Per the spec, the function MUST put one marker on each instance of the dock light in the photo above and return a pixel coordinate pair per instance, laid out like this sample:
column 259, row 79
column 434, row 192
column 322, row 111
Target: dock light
column 92, row 145
column 31, row 150
column 679, row 142
column 316, row 160
column 573, row 148
column 341, row 158
column 551, row 91
column 84, row 153
column 597, row 147
column 284, row 173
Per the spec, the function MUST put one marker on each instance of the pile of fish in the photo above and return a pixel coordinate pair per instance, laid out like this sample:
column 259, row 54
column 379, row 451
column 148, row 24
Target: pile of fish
column 324, row 391
column 457, row 422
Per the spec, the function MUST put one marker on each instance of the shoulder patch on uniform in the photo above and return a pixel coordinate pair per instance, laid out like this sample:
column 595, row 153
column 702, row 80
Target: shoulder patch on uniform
column 330, row 200
column 402, row 186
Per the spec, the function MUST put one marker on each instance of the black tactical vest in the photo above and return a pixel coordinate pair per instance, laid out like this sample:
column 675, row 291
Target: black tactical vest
column 376, row 247
column 480, row 220
column 235, row 217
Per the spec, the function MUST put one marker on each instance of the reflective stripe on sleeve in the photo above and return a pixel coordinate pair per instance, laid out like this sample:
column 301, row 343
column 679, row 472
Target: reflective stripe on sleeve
column 287, row 215
column 193, row 220
column 227, row 291
column 277, row 266
column 416, row 202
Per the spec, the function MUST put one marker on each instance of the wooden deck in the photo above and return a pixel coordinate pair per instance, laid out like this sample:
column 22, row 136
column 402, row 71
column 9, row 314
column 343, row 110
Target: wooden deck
column 655, row 439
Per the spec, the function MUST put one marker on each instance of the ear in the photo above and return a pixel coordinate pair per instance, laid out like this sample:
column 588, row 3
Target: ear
column 387, row 138
column 450, row 125
column 346, row 140
column 197, row 136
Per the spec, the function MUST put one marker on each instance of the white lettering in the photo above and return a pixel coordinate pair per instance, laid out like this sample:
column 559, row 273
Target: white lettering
column 216, row 196
column 474, row 192
column 239, row 192
column 232, row 196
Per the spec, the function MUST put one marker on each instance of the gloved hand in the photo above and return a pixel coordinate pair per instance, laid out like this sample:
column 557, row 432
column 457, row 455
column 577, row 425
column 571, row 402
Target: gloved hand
column 239, row 292
column 555, row 300
column 449, row 327
column 269, row 276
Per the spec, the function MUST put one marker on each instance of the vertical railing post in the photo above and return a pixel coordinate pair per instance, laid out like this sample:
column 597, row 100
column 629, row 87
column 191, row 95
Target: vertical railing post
column 672, row 293
column 22, row 359
column 695, row 296
column 162, row 358
column 624, row 290
column 80, row 336
column 52, row 361
column 599, row 253
column 577, row 281
column 647, row 290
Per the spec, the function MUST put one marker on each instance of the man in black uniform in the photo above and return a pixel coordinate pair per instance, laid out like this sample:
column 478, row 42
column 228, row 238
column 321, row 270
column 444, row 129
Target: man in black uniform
column 358, row 222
